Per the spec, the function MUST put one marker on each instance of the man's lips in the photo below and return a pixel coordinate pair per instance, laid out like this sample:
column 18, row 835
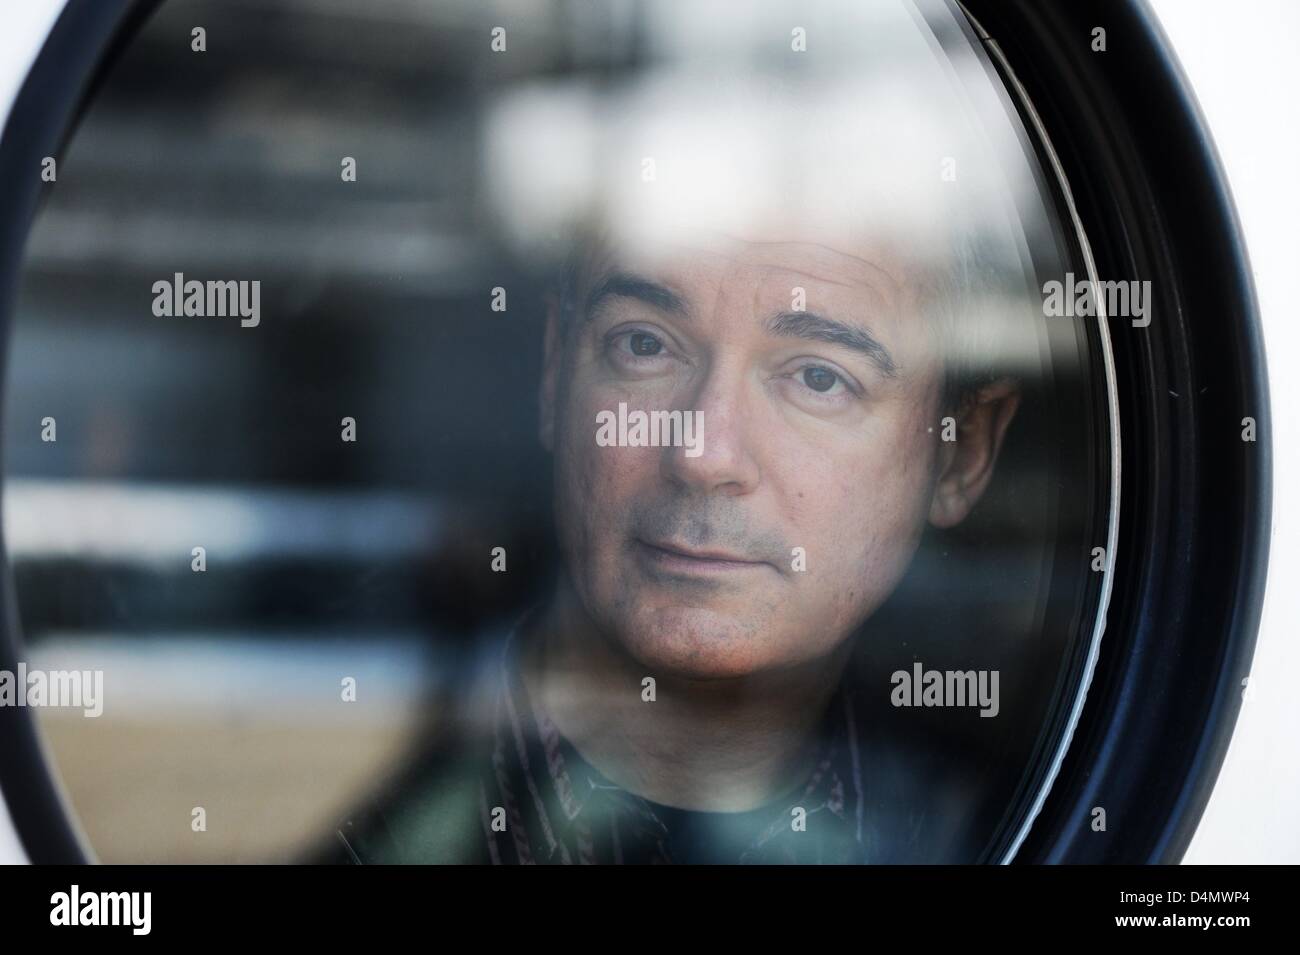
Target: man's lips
column 700, row 560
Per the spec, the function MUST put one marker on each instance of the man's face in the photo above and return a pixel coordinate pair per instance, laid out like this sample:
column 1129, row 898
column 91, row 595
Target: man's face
column 820, row 444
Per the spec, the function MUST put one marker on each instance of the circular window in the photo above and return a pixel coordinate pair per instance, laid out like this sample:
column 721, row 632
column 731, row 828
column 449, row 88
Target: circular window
column 437, row 434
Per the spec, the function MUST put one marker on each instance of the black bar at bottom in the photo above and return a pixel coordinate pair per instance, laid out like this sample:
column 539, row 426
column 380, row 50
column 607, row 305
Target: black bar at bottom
column 444, row 905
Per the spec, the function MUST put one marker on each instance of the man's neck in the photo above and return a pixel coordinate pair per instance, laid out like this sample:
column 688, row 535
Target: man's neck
column 724, row 745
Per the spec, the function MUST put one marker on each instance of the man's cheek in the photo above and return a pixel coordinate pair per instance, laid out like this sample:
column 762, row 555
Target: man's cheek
column 605, row 478
column 832, row 511
column 616, row 471
column 875, row 528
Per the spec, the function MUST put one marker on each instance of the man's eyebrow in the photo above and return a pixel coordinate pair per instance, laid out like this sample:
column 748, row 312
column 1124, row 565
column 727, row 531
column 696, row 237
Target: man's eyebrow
column 630, row 285
column 807, row 325
column 818, row 328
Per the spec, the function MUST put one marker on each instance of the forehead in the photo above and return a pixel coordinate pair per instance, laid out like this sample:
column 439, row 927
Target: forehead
column 772, row 262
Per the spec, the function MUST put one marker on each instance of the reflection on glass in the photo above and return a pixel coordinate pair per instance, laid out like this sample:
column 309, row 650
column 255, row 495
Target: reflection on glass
column 651, row 446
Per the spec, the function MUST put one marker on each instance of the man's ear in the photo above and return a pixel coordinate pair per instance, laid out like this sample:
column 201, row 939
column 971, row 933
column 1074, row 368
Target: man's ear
column 550, row 373
column 966, row 464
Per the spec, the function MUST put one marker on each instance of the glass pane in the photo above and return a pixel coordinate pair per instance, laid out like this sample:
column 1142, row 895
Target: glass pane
column 556, row 431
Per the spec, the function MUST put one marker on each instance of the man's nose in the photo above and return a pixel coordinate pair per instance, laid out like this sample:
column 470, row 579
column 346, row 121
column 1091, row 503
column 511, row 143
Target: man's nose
column 721, row 458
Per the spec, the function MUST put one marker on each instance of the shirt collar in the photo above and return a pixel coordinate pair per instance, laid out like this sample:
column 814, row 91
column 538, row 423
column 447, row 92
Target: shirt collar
column 560, row 808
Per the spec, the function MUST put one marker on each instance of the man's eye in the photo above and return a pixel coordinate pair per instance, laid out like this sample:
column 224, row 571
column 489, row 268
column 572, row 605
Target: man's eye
column 637, row 344
column 644, row 345
column 819, row 378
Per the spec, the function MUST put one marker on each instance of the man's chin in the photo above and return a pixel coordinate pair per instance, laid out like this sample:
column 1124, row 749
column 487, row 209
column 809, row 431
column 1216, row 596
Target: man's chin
column 697, row 643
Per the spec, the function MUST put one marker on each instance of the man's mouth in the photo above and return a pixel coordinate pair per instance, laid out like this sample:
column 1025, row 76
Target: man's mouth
column 682, row 558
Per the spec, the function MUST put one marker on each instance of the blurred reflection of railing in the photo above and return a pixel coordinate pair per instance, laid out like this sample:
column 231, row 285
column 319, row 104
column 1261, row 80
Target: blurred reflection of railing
column 137, row 523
